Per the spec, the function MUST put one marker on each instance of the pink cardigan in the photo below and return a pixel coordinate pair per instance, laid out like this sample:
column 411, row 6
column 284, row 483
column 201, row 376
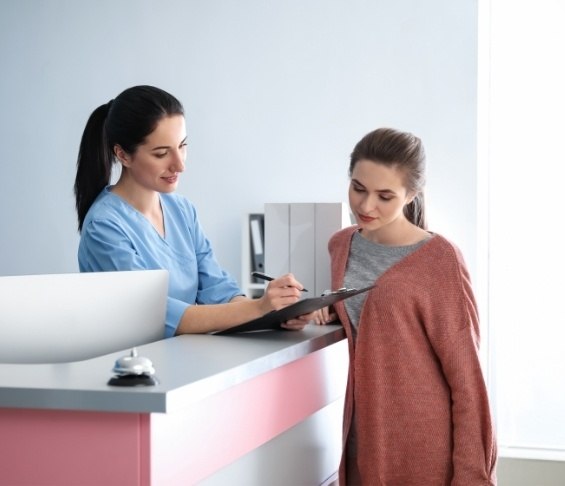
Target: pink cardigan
column 421, row 404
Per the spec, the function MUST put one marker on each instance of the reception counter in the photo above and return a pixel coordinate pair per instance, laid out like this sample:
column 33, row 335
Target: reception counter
column 250, row 409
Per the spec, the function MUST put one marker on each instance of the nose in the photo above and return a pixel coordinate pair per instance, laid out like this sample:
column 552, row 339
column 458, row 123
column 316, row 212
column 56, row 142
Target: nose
column 368, row 203
column 178, row 161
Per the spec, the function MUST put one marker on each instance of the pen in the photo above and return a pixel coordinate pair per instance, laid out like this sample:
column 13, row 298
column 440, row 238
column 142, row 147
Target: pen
column 264, row 276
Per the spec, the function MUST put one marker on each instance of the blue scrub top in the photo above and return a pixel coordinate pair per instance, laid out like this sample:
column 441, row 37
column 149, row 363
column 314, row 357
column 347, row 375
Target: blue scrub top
column 115, row 236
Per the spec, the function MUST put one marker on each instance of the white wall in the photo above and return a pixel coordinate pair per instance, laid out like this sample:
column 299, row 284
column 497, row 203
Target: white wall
column 276, row 95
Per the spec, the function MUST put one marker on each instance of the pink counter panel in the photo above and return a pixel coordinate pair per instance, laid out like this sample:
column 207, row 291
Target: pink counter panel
column 52, row 447
column 191, row 432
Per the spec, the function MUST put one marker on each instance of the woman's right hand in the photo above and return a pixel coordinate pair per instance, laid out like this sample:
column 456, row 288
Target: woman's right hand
column 281, row 292
column 286, row 290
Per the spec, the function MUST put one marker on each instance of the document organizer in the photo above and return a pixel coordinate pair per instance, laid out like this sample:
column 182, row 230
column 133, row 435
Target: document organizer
column 274, row 319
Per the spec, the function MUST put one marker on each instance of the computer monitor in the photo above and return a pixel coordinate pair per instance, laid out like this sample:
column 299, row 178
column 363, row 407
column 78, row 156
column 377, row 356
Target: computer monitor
column 71, row 317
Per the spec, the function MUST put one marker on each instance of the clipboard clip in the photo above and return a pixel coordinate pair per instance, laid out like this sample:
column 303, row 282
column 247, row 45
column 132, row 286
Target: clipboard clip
column 338, row 291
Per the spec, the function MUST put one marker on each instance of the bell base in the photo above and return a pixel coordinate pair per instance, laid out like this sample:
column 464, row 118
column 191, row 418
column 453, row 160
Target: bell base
column 133, row 380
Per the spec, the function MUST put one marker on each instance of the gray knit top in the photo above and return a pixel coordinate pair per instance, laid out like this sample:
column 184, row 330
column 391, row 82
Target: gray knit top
column 366, row 263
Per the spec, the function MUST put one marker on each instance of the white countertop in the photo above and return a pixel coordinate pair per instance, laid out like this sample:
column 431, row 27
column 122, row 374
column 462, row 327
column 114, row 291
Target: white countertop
column 188, row 368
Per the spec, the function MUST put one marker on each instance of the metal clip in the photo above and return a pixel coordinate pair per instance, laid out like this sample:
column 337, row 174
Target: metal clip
column 338, row 291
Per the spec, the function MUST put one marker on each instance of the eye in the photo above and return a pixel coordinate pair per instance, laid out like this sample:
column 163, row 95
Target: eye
column 160, row 155
column 386, row 197
column 357, row 188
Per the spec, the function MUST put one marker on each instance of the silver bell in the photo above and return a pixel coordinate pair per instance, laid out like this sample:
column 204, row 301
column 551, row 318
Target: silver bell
column 133, row 365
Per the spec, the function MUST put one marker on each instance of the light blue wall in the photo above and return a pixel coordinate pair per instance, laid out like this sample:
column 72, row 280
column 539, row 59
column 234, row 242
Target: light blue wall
column 276, row 95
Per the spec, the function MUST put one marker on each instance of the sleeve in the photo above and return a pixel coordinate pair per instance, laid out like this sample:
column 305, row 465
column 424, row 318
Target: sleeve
column 175, row 310
column 474, row 448
column 215, row 285
column 105, row 247
column 474, row 443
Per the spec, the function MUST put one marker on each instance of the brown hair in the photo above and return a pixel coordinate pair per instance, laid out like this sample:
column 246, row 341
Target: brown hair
column 403, row 151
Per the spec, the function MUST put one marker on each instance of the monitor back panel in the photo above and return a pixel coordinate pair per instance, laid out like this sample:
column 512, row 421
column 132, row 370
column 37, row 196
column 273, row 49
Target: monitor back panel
column 71, row 317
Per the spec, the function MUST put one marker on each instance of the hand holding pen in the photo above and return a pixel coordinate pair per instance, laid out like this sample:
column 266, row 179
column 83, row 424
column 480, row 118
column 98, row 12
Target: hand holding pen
column 264, row 276
column 281, row 292
column 289, row 282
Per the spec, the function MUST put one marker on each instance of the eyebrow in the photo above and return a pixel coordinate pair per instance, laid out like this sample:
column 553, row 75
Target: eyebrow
column 380, row 191
column 161, row 147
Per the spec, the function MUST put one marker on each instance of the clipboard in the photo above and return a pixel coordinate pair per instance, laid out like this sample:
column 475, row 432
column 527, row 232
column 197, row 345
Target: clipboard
column 273, row 320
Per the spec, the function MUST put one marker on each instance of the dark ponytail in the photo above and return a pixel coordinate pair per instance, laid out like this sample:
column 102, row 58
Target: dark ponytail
column 125, row 121
column 94, row 164
column 403, row 151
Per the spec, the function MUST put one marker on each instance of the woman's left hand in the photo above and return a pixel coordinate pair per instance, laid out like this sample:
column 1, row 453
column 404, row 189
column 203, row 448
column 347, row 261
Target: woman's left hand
column 318, row 317
column 298, row 323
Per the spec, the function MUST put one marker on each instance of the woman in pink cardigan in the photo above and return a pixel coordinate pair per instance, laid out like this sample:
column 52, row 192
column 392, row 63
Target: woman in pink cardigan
column 416, row 409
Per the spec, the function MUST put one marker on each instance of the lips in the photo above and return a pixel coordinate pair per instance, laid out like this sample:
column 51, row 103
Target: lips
column 170, row 180
column 365, row 219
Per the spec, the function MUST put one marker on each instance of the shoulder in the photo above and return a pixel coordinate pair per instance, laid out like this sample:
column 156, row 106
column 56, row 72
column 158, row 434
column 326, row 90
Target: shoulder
column 440, row 262
column 442, row 247
column 108, row 207
column 341, row 237
column 179, row 203
column 109, row 218
column 447, row 282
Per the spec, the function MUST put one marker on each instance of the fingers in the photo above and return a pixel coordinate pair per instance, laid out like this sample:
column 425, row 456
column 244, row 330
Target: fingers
column 282, row 292
column 295, row 324
column 322, row 316
column 318, row 317
column 280, row 297
column 288, row 280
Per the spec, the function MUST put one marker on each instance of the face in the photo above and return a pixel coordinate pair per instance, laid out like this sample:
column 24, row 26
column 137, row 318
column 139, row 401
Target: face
column 377, row 196
column 157, row 163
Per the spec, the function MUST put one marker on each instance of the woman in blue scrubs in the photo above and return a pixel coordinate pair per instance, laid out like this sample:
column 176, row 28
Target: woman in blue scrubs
column 141, row 224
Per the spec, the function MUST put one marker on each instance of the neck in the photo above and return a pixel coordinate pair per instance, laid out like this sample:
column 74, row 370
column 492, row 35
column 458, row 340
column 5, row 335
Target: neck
column 145, row 201
column 398, row 233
